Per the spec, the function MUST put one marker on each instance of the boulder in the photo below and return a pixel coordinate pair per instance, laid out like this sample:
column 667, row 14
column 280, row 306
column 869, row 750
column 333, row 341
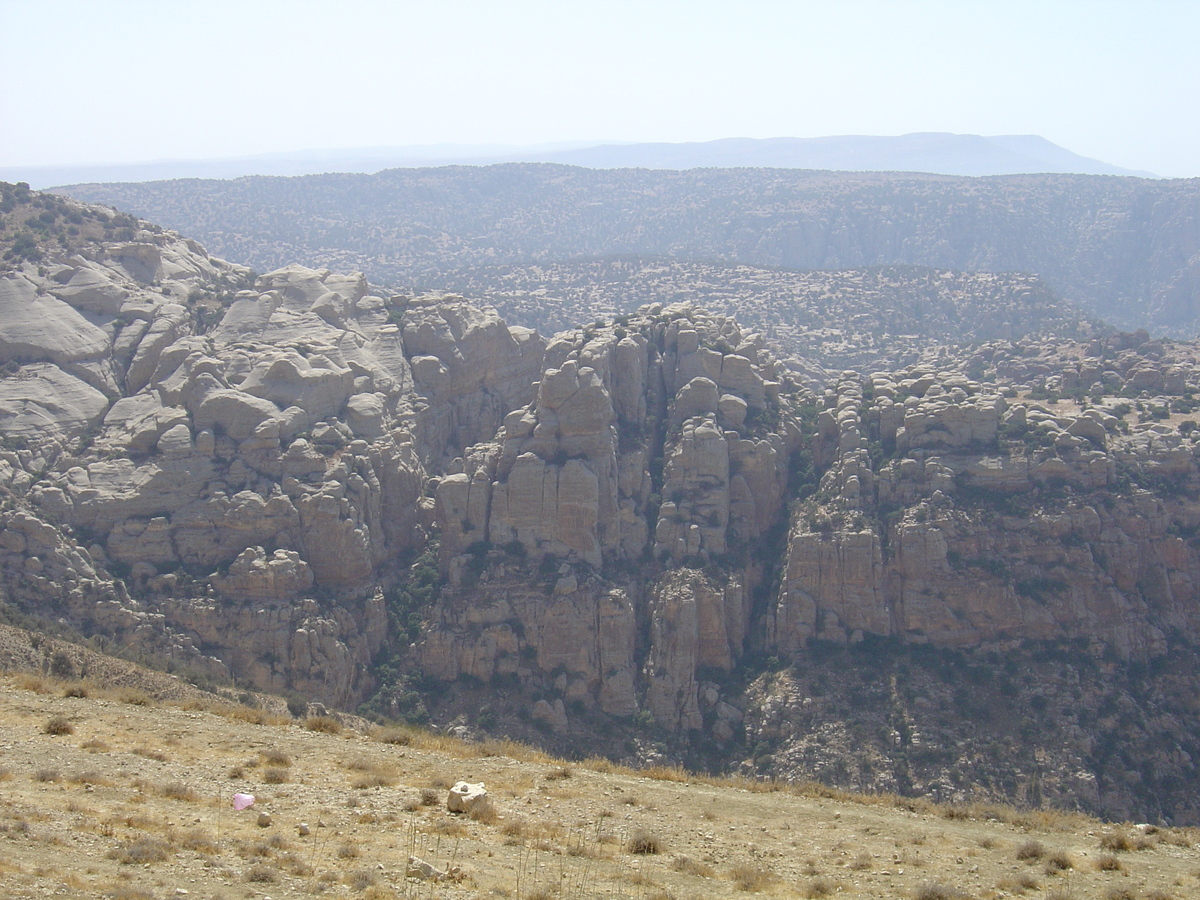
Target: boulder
column 467, row 798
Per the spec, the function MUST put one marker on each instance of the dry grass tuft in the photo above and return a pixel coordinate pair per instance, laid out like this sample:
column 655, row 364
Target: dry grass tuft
column 667, row 773
column 360, row 879
column 935, row 890
column 89, row 777
column 250, row 714
column 276, row 776
column 199, row 841
column 751, row 878
column 484, row 814
column 176, row 790
column 401, row 737
column 1030, row 851
column 1058, row 862
column 134, row 697
column 58, row 726
column 449, row 828
column 1018, row 884
column 125, row 892
column 559, row 774
column 262, row 874
column 1116, row 841
column 141, row 851
column 34, row 683
column 77, row 691
column 323, row 724
column 862, row 862
column 644, row 843
column 1109, row 863
column 275, row 757
column 688, row 866
column 149, row 753
column 819, row 887
column 349, row 850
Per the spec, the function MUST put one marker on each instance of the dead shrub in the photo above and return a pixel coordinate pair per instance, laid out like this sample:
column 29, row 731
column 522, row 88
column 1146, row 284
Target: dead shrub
column 95, row 746
column 819, row 887
column 559, row 774
column 134, row 697
column 751, row 878
column 58, row 726
column 484, row 814
column 1030, row 851
column 276, row 776
column 1109, row 863
column 47, row 775
column 644, row 843
column 150, row 753
column 75, row 691
column 862, row 862
column 349, row 850
column 1120, row 893
column 429, row 797
column 323, row 724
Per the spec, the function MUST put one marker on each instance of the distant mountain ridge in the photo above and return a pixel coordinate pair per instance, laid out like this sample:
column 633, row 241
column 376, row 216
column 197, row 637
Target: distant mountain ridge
column 940, row 153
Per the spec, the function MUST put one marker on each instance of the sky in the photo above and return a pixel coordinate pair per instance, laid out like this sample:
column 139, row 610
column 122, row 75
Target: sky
column 135, row 80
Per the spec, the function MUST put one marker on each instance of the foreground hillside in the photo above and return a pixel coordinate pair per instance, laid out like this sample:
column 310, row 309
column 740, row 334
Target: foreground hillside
column 649, row 537
column 112, row 792
column 1125, row 249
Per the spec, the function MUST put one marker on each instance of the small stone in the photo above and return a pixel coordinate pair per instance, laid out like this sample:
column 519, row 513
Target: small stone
column 264, row 820
column 302, row 829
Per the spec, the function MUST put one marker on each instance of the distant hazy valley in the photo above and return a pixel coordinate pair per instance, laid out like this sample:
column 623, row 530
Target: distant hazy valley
column 1120, row 249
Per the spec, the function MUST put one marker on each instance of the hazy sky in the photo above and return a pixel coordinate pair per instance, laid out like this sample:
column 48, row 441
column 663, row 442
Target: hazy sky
column 125, row 80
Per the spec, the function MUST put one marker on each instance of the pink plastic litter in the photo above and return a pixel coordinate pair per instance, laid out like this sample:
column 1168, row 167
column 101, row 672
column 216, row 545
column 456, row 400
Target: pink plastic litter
column 243, row 801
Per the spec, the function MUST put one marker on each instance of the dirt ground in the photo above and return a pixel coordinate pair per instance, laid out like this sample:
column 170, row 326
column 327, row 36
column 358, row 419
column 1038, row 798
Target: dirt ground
column 114, row 794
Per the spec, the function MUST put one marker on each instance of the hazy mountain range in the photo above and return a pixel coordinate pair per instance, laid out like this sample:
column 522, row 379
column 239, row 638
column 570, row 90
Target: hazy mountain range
column 935, row 152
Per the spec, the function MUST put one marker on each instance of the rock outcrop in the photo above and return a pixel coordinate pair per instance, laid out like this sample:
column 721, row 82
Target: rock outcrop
column 654, row 444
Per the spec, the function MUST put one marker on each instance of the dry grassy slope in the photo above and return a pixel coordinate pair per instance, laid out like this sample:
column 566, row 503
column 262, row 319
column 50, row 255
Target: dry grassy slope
column 133, row 800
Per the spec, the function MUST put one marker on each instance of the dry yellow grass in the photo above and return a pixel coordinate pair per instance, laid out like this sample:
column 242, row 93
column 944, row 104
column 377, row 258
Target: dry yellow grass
column 136, row 803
